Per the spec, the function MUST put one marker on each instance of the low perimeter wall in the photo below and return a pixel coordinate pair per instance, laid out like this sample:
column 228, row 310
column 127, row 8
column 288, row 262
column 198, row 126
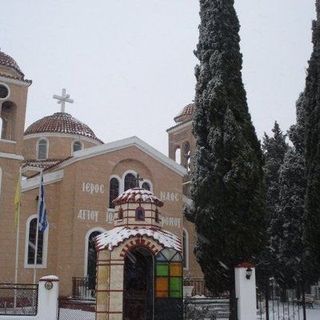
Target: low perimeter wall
column 47, row 301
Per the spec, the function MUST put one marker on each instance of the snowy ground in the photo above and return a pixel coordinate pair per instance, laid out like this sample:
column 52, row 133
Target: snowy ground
column 312, row 314
column 70, row 314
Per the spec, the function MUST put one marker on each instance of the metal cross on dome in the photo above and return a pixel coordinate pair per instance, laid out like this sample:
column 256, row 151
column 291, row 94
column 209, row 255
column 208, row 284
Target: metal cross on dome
column 63, row 99
column 138, row 179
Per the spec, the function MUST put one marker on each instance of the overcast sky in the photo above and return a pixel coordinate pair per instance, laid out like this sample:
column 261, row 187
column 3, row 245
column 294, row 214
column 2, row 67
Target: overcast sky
column 129, row 64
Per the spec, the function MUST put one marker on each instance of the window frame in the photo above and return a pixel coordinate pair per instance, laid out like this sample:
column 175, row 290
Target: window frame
column 72, row 146
column 43, row 265
column 47, row 148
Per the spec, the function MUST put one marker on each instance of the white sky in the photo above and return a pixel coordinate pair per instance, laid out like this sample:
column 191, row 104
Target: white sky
column 129, row 64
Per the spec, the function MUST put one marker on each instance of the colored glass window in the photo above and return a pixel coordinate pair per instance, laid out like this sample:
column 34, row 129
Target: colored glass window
column 175, row 270
column 162, row 287
column 162, row 269
column 175, row 287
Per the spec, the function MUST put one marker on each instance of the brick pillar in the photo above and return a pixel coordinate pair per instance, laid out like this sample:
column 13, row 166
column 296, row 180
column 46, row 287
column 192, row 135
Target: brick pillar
column 103, row 285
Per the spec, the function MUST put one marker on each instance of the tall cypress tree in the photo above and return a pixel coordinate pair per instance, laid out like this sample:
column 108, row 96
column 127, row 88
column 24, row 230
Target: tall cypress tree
column 312, row 152
column 227, row 183
column 287, row 223
column 274, row 148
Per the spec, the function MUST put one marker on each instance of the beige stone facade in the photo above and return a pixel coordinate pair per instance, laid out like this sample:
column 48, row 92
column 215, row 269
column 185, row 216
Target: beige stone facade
column 77, row 190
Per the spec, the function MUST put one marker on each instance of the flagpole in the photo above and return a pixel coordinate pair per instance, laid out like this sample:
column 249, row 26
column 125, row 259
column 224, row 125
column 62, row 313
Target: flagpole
column 37, row 233
column 17, row 233
column 17, row 237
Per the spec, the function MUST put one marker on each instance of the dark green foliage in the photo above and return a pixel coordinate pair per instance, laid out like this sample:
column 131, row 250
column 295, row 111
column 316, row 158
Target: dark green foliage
column 274, row 148
column 227, row 182
column 312, row 152
column 287, row 237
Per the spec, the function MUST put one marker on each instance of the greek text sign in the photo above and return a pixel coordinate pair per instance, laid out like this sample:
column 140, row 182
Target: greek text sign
column 88, row 215
column 169, row 196
column 92, row 188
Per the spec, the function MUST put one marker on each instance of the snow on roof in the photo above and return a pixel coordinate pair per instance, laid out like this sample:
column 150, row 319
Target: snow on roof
column 112, row 238
column 137, row 195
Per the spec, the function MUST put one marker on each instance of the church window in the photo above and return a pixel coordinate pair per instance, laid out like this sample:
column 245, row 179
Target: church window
column 77, row 145
column 31, row 235
column 139, row 214
column 4, row 91
column 186, row 156
column 91, row 260
column 157, row 216
column 8, row 115
column 177, row 156
column 146, row 186
column 113, row 191
column 168, row 274
column 42, row 149
column 120, row 214
column 129, row 181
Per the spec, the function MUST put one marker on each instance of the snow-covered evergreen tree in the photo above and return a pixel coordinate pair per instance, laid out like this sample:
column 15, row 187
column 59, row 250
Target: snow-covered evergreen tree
column 287, row 225
column 312, row 152
column 227, row 183
column 274, row 148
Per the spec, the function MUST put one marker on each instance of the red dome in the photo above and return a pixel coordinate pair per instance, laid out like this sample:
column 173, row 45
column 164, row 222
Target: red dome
column 186, row 113
column 61, row 123
column 7, row 61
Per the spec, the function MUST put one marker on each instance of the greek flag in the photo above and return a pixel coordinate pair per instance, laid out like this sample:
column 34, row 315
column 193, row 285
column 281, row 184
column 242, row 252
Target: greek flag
column 42, row 211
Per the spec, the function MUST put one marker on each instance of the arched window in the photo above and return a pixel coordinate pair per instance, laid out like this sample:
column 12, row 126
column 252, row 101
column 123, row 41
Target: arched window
column 42, row 149
column 77, row 145
column 129, row 181
column 168, row 274
column 185, row 250
column 146, row 186
column 177, row 156
column 8, row 115
column 91, row 260
column 31, row 243
column 139, row 214
column 113, row 191
column 186, row 156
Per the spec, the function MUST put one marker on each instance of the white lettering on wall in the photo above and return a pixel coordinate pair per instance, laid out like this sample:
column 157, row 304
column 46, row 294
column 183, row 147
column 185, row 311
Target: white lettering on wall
column 169, row 196
column 109, row 216
column 89, row 215
column 92, row 188
column 171, row 221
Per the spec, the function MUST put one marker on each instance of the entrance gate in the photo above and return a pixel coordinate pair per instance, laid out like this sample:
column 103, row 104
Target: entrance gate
column 138, row 285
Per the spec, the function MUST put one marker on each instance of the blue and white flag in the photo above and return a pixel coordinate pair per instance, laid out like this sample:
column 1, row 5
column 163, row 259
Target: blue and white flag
column 42, row 211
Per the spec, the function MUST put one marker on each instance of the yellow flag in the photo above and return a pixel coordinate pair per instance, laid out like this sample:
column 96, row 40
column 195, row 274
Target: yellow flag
column 17, row 201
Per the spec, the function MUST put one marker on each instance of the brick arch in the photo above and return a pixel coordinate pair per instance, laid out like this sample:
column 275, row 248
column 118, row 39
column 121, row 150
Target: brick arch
column 139, row 241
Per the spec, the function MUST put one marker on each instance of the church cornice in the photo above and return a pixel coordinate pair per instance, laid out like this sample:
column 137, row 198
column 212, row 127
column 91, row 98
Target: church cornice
column 123, row 144
column 48, row 178
column 180, row 126
column 12, row 80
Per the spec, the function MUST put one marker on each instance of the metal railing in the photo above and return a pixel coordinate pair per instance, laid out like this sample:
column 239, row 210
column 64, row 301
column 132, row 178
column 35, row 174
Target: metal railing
column 83, row 288
column 18, row 299
column 199, row 287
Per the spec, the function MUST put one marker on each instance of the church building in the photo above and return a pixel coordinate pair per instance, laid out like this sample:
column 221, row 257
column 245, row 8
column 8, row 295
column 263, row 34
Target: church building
column 83, row 176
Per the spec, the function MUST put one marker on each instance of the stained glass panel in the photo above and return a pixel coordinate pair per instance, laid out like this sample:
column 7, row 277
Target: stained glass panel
column 175, row 270
column 162, row 287
column 162, row 269
column 175, row 287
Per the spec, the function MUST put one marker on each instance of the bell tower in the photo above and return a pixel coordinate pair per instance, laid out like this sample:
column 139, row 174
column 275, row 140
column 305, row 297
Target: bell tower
column 182, row 143
column 13, row 98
